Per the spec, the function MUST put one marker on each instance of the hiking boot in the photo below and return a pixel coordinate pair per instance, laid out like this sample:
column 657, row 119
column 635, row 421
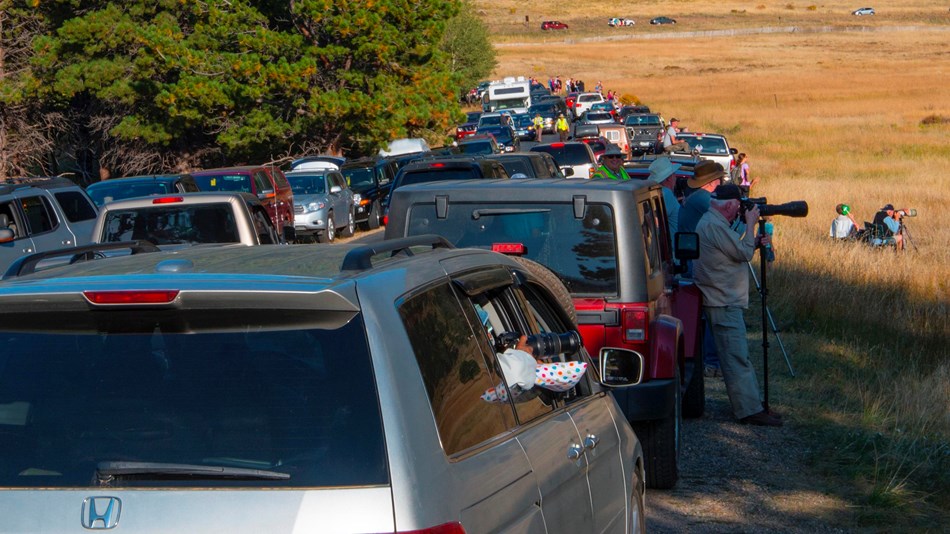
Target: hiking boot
column 761, row 419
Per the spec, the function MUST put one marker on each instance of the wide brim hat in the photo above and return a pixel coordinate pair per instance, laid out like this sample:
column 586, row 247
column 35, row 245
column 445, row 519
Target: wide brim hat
column 705, row 172
column 613, row 150
column 662, row 168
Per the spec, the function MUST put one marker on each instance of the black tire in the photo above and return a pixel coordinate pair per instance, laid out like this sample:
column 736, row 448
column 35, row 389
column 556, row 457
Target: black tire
column 372, row 220
column 553, row 283
column 660, row 439
column 350, row 227
column 638, row 515
column 694, row 400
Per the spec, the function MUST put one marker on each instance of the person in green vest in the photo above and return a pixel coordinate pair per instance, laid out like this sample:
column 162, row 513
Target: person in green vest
column 538, row 127
column 611, row 164
column 562, row 127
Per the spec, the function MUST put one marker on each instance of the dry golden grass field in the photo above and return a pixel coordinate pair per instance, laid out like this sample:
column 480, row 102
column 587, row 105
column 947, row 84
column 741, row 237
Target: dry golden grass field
column 860, row 114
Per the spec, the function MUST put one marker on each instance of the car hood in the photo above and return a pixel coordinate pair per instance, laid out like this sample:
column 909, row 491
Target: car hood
column 307, row 199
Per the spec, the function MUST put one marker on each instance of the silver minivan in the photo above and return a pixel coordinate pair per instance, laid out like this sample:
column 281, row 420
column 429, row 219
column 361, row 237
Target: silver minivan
column 306, row 389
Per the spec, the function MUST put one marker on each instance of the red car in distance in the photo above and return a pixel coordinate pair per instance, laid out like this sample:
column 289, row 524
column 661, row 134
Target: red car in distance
column 553, row 25
column 469, row 126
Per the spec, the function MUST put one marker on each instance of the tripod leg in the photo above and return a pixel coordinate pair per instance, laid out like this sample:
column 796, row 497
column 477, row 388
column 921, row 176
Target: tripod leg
column 778, row 338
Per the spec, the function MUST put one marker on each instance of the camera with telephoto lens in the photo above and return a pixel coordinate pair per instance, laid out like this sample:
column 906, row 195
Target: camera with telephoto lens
column 797, row 208
column 542, row 345
column 910, row 212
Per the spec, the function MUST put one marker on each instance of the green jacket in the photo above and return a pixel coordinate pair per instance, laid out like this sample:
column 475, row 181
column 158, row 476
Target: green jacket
column 561, row 125
column 604, row 172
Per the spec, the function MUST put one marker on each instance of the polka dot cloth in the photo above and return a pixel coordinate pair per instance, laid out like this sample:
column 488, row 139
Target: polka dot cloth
column 553, row 376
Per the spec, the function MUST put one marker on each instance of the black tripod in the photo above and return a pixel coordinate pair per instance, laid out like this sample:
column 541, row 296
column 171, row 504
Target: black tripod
column 908, row 240
column 766, row 315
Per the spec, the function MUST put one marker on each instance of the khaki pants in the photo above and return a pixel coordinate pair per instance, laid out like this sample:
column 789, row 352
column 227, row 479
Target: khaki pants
column 563, row 134
column 742, row 386
column 682, row 146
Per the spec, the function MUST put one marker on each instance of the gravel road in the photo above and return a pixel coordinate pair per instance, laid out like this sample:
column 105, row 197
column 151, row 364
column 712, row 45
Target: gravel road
column 738, row 478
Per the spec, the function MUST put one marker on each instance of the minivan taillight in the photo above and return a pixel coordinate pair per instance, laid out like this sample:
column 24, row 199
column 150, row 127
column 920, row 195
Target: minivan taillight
column 636, row 324
column 447, row 528
column 131, row 296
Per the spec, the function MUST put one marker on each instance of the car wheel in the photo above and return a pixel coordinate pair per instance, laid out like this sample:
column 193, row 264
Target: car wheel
column 638, row 519
column 661, row 443
column 372, row 222
column 350, row 227
column 551, row 281
column 694, row 400
column 329, row 234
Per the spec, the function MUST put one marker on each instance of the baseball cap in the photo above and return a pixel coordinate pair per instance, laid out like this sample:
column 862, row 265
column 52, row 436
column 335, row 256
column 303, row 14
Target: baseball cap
column 727, row 192
column 888, row 207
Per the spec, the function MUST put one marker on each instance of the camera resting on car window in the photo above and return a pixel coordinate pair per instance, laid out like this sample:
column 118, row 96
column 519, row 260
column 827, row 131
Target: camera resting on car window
column 797, row 208
column 543, row 345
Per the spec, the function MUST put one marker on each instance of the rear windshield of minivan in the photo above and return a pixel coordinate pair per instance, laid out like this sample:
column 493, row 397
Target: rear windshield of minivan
column 224, row 182
column 582, row 252
column 268, row 398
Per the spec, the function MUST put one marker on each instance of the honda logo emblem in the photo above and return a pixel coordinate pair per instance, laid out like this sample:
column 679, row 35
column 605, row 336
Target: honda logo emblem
column 101, row 513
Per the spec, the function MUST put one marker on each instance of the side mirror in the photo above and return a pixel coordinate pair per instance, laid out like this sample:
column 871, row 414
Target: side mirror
column 733, row 151
column 335, row 189
column 620, row 367
column 290, row 234
column 686, row 246
column 568, row 171
column 265, row 194
column 6, row 235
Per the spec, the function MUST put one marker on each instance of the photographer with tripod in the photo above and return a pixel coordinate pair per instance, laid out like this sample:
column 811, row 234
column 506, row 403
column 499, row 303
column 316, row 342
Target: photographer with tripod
column 889, row 227
column 721, row 273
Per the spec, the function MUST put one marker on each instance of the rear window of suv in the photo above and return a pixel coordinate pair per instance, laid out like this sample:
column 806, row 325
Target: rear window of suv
column 433, row 175
column 705, row 145
column 567, row 154
column 169, row 225
column 582, row 252
column 286, row 396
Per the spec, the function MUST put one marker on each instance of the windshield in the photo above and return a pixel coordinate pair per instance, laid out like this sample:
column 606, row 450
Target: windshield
column 224, row 182
column 171, row 224
column 590, row 98
column 542, row 109
column 360, row 178
column 642, row 120
column 599, row 116
column 433, row 175
column 705, row 145
column 491, row 120
column 567, row 154
column 473, row 116
column 511, row 103
column 107, row 192
column 307, row 184
column 268, row 398
column 476, row 147
column 581, row 252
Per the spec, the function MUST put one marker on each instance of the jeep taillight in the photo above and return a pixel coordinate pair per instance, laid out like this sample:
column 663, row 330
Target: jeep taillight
column 636, row 324
column 447, row 528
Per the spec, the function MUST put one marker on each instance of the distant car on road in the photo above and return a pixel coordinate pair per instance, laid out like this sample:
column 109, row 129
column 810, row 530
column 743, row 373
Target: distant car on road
column 863, row 11
column 662, row 20
column 618, row 22
column 467, row 128
column 597, row 117
column 323, row 204
column 553, row 25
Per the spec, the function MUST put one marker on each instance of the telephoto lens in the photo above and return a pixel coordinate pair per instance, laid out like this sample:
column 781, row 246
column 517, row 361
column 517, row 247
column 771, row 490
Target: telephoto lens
column 550, row 344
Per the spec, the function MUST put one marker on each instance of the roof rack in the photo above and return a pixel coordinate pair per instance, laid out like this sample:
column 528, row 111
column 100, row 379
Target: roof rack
column 361, row 258
column 27, row 264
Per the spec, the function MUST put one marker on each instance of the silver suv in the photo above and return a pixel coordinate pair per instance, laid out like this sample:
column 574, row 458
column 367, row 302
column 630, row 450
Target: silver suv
column 43, row 214
column 324, row 204
column 289, row 389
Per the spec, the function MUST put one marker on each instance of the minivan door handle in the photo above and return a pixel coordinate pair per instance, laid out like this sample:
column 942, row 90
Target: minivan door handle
column 574, row 451
column 66, row 242
column 591, row 441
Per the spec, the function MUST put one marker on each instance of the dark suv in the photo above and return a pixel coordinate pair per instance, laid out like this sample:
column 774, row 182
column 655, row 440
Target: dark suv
column 140, row 186
column 646, row 132
column 370, row 179
column 289, row 389
column 607, row 242
column 445, row 168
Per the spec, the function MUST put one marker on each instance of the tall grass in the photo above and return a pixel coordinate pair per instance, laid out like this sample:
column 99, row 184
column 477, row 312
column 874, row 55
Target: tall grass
column 830, row 118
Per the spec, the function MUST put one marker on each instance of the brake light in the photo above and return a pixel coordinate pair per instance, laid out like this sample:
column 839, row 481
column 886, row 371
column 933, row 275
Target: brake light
column 636, row 323
column 131, row 297
column 167, row 200
column 557, row 145
column 437, row 164
column 517, row 249
column 385, row 220
column 447, row 528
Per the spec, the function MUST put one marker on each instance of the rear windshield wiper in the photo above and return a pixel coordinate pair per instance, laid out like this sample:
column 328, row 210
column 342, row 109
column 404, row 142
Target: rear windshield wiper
column 109, row 471
column 476, row 214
